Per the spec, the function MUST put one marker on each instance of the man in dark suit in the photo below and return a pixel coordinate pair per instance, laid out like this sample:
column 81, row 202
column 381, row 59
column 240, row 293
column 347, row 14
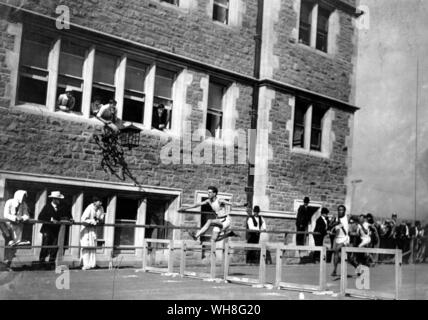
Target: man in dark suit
column 51, row 212
column 160, row 118
column 302, row 220
column 321, row 227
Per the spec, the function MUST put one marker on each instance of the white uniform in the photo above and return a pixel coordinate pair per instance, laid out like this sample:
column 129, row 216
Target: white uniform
column 221, row 213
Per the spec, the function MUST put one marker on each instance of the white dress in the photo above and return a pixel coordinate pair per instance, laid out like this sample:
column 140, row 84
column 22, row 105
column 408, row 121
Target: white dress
column 88, row 235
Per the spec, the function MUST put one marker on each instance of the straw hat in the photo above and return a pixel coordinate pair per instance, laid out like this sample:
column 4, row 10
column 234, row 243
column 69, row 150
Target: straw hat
column 56, row 195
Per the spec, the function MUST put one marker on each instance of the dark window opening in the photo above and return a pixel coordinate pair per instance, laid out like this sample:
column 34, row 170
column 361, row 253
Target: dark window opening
column 322, row 29
column 164, row 82
column 221, row 11
column 174, row 2
column 305, row 22
column 299, row 123
column 134, row 101
column 126, row 212
column 316, row 128
column 214, row 123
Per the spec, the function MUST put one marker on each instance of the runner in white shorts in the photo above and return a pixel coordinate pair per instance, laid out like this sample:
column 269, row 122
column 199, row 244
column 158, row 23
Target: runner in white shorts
column 222, row 222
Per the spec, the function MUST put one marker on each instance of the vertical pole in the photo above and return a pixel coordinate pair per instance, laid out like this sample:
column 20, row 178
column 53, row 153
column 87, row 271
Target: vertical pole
column 262, row 268
column 170, row 256
column 323, row 269
column 343, row 275
column 60, row 252
column 226, row 259
column 398, row 264
column 183, row 258
column 278, row 267
column 213, row 259
column 145, row 249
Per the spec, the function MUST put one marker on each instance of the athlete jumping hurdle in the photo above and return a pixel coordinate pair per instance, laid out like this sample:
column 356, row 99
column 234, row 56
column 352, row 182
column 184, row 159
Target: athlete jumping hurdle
column 222, row 222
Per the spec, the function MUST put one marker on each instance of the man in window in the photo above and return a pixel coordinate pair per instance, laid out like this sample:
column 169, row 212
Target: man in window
column 108, row 115
column 160, row 118
column 66, row 101
column 96, row 105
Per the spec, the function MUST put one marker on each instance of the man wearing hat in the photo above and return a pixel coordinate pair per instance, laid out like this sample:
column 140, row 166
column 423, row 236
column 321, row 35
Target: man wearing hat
column 321, row 228
column 302, row 220
column 51, row 212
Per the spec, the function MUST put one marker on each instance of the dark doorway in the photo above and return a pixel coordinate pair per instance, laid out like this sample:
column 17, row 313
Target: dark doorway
column 126, row 212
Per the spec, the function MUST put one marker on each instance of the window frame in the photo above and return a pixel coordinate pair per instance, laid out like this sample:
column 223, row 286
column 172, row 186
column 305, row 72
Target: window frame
column 316, row 8
column 325, row 128
column 215, row 3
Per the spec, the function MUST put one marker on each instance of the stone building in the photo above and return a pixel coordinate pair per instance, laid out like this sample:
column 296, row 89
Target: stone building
column 259, row 97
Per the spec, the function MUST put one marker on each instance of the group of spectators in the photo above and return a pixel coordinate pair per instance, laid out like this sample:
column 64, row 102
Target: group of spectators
column 362, row 231
column 16, row 212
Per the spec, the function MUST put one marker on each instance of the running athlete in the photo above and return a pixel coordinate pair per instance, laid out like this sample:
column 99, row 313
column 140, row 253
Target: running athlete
column 222, row 222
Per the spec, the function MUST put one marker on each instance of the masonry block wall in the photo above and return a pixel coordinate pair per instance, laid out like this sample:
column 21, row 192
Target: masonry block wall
column 329, row 74
column 187, row 32
column 291, row 174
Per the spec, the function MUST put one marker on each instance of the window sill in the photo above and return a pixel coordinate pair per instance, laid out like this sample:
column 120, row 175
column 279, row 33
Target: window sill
column 314, row 50
column 312, row 153
column 178, row 8
column 224, row 25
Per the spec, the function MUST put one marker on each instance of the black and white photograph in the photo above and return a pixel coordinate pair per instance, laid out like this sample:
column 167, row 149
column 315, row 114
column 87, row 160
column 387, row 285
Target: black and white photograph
column 230, row 151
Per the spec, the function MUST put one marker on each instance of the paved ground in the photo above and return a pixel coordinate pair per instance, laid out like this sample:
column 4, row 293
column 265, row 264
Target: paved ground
column 133, row 284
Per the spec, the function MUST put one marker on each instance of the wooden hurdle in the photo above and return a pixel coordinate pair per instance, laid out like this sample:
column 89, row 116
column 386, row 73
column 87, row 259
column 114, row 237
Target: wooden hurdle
column 371, row 294
column 301, row 287
column 147, row 268
column 185, row 247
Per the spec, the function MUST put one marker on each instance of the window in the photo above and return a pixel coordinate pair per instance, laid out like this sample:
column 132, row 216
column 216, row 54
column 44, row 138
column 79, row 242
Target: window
column 221, row 11
column 164, row 82
column 33, row 80
column 214, row 124
column 104, row 75
column 88, row 76
column 314, row 20
column 133, row 104
column 305, row 23
column 322, row 29
column 308, row 125
column 70, row 77
column 174, row 2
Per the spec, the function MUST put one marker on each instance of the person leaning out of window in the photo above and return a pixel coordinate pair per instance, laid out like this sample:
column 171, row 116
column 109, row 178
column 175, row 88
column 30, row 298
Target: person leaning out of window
column 66, row 101
column 108, row 115
column 160, row 118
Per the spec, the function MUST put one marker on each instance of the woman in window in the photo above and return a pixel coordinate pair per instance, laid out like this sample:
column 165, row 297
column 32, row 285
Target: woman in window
column 93, row 215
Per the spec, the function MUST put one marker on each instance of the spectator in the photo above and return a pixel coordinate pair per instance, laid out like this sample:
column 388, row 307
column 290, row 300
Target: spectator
column 66, row 101
column 93, row 215
column 416, row 234
column 16, row 211
column 96, row 105
column 51, row 212
column 108, row 115
column 321, row 227
column 160, row 118
column 302, row 220
column 252, row 237
column 401, row 237
column 374, row 229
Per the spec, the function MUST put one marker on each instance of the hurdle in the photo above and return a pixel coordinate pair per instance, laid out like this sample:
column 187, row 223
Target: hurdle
column 363, row 293
column 147, row 268
column 185, row 247
column 262, row 267
column 300, row 287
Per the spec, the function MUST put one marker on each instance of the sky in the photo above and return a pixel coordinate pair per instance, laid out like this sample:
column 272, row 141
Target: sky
column 391, row 127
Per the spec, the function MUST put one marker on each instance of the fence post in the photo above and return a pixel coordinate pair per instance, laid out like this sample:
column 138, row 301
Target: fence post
column 170, row 256
column 398, row 264
column 278, row 267
column 343, row 269
column 323, row 269
column 213, row 259
column 262, row 268
column 60, row 252
column 183, row 258
column 226, row 260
